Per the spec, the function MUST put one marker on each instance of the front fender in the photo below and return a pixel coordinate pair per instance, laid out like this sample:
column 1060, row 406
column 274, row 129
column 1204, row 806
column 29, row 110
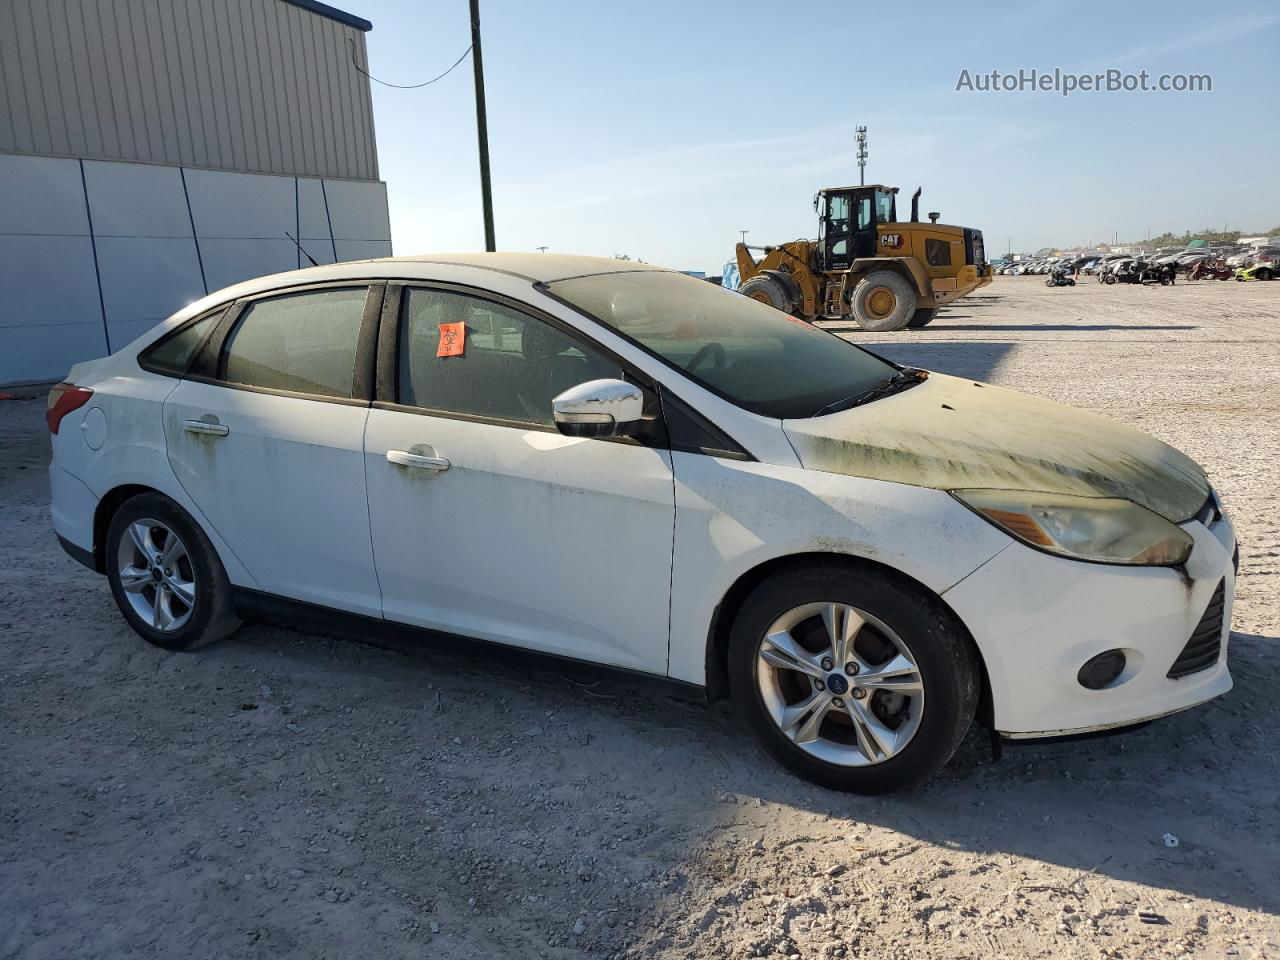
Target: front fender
column 734, row 516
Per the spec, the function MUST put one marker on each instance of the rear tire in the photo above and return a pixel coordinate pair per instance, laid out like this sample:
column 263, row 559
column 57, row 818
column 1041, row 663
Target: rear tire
column 882, row 301
column 768, row 290
column 166, row 577
column 898, row 623
column 922, row 317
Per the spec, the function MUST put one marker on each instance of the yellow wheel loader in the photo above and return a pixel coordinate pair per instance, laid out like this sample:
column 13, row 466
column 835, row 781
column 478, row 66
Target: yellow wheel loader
column 866, row 264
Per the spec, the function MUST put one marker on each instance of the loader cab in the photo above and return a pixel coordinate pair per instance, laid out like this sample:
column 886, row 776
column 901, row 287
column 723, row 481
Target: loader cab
column 847, row 220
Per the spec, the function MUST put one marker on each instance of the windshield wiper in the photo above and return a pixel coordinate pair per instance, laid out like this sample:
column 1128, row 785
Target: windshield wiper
column 905, row 379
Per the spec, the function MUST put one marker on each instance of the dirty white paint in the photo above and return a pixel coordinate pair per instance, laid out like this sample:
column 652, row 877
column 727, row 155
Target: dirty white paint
column 619, row 554
column 949, row 434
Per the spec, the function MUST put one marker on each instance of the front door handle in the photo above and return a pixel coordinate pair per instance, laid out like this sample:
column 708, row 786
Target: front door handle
column 404, row 458
column 205, row 428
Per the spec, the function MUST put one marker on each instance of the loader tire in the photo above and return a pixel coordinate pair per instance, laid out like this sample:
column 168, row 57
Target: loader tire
column 883, row 301
column 922, row 317
column 768, row 290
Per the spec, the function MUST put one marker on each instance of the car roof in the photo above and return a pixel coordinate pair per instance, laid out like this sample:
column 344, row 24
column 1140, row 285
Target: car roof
column 533, row 267
column 538, row 267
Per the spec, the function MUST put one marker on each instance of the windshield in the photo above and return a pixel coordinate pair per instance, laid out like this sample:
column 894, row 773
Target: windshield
column 753, row 355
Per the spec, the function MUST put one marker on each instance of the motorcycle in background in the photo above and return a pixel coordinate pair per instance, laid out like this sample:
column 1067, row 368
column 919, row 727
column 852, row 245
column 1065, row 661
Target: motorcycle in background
column 1206, row 270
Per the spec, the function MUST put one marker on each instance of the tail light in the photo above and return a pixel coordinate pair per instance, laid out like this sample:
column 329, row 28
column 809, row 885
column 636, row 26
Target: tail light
column 64, row 398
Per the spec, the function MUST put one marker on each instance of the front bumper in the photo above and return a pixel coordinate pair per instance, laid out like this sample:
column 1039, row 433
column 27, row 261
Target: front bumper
column 1037, row 619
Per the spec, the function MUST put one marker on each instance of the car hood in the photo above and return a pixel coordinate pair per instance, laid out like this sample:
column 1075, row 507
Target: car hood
column 950, row 434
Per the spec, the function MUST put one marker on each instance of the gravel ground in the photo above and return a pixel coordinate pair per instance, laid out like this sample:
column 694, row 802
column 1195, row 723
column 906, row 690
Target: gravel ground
column 290, row 795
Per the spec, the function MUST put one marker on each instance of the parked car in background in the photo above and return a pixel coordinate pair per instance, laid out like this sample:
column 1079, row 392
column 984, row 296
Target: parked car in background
column 1263, row 268
column 615, row 463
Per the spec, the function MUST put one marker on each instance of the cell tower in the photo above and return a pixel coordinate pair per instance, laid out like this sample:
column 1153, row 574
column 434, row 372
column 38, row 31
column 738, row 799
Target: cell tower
column 862, row 154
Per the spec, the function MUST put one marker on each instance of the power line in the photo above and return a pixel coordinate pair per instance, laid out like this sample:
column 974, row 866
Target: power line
column 402, row 86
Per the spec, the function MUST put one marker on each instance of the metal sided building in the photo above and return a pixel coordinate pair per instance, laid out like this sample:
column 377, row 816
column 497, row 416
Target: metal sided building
column 153, row 151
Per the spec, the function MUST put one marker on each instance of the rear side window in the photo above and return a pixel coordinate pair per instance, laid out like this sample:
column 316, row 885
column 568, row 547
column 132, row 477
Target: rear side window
column 172, row 355
column 937, row 252
column 301, row 342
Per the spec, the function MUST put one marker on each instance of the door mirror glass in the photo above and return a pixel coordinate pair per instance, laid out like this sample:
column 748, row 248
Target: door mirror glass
column 599, row 408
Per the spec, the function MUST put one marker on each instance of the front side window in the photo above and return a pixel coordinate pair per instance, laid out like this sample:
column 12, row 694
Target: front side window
column 463, row 355
column 864, row 213
column 753, row 355
column 885, row 207
column 838, row 213
column 301, row 342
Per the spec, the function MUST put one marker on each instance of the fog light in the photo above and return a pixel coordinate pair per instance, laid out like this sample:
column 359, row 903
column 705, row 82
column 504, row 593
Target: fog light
column 1099, row 671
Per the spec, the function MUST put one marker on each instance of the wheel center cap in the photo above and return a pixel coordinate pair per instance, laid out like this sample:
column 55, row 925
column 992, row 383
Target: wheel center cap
column 156, row 574
column 837, row 684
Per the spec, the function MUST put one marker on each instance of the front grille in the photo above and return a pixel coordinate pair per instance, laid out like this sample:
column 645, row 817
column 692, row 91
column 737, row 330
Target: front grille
column 1210, row 513
column 1201, row 651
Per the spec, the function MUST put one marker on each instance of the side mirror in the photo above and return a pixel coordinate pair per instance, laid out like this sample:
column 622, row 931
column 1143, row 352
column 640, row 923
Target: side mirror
column 598, row 408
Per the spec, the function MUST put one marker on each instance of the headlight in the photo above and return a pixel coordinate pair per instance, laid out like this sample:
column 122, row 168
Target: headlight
column 1102, row 529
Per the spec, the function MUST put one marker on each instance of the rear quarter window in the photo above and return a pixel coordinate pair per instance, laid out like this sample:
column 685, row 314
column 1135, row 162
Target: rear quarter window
column 172, row 355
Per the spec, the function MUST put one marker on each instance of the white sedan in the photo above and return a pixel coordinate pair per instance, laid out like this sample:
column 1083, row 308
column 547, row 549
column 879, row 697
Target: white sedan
column 619, row 464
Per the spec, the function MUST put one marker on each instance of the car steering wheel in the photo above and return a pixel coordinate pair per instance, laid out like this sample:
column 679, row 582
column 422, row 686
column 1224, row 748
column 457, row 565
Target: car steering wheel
column 712, row 349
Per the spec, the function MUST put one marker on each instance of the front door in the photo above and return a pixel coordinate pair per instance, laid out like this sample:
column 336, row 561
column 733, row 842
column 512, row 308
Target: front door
column 268, row 442
column 864, row 224
column 837, row 231
column 486, row 521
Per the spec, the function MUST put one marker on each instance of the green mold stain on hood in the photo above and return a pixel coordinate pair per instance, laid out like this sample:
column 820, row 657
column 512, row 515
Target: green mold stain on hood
column 950, row 434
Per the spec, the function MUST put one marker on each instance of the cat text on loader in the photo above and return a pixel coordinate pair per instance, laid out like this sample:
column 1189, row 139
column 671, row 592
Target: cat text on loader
column 866, row 264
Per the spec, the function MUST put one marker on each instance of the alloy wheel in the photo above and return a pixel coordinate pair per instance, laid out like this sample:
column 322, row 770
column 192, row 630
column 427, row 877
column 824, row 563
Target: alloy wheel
column 840, row 684
column 156, row 575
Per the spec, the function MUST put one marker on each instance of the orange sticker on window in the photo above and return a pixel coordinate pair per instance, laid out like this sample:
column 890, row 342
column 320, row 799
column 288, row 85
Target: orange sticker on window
column 453, row 340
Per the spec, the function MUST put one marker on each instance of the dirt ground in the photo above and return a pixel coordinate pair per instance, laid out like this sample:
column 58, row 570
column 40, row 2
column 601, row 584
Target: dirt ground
column 285, row 795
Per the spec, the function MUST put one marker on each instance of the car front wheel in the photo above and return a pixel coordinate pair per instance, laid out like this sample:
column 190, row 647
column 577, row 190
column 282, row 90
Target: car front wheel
column 854, row 678
column 165, row 575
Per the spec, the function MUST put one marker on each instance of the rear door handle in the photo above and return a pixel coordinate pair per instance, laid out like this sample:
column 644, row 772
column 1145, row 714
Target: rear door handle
column 205, row 428
column 404, row 458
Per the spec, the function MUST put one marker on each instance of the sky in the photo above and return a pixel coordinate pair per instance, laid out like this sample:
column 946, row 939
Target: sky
column 661, row 129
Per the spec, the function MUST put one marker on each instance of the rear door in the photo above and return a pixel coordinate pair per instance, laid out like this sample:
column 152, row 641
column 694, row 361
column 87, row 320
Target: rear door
column 266, row 435
column 486, row 521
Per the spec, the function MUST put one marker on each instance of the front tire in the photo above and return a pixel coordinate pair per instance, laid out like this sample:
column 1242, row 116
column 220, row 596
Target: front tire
column 768, row 290
column 883, row 301
column 166, row 577
column 888, row 716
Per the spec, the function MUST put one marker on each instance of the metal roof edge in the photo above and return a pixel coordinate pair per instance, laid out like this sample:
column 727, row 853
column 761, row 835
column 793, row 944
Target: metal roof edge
column 333, row 13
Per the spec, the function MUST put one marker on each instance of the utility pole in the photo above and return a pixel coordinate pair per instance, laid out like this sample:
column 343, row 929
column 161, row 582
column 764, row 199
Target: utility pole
column 482, row 128
column 862, row 154
column 744, row 235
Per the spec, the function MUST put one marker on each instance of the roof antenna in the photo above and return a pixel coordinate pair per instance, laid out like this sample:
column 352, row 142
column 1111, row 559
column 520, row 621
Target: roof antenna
column 301, row 250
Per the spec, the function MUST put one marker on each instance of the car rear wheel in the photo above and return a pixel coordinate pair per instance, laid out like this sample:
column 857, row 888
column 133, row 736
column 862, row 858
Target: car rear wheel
column 166, row 577
column 854, row 678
